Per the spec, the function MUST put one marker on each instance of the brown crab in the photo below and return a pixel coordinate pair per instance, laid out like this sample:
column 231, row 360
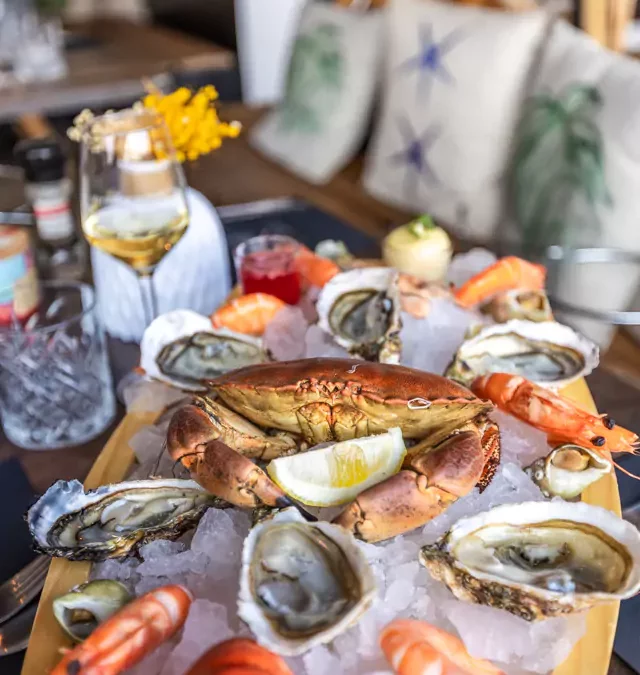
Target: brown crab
column 303, row 403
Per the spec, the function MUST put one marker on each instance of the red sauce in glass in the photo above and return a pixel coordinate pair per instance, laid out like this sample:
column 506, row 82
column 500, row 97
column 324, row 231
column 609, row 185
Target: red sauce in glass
column 272, row 272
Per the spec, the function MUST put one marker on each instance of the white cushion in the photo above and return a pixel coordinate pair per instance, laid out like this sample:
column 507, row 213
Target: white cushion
column 592, row 196
column 334, row 69
column 461, row 102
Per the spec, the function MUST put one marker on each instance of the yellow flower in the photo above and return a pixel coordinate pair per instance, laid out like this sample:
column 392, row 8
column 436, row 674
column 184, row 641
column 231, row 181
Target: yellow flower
column 192, row 120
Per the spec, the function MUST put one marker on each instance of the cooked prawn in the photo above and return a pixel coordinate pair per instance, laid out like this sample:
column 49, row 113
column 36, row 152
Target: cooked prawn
column 130, row 634
column 314, row 270
column 418, row 648
column 504, row 275
column 239, row 656
column 248, row 314
column 557, row 416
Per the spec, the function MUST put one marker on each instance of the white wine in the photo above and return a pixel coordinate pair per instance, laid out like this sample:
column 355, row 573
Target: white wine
column 140, row 240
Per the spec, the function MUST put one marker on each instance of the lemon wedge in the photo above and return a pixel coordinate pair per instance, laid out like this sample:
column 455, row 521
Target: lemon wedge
column 338, row 473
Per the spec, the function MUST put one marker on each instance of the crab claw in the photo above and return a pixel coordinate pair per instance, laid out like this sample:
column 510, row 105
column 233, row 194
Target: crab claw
column 229, row 475
column 205, row 419
column 431, row 480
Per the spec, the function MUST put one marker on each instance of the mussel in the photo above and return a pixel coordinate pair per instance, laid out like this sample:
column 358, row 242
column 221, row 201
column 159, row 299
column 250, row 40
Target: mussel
column 84, row 607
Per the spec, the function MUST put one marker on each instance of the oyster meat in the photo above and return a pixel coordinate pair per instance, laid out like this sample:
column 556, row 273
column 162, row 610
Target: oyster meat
column 182, row 349
column 528, row 305
column 538, row 559
column 302, row 583
column 568, row 470
column 114, row 520
column 547, row 353
column 361, row 310
column 84, row 607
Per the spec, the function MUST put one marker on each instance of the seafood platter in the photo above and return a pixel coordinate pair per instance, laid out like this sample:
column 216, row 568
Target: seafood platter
column 397, row 475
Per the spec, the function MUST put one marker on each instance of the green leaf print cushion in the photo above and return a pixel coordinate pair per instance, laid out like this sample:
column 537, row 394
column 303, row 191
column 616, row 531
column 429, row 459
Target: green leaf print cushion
column 331, row 82
column 575, row 176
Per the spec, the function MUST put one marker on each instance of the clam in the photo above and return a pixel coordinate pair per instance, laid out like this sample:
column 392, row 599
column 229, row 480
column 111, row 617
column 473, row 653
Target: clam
column 538, row 559
column 568, row 470
column 114, row 520
column 84, row 607
column 520, row 304
column 182, row 349
column 301, row 583
column 361, row 310
column 547, row 353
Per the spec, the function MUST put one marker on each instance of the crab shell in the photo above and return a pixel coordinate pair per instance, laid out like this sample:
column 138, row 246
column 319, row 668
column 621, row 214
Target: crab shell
column 388, row 347
column 252, row 612
column 528, row 601
column 326, row 399
column 506, row 336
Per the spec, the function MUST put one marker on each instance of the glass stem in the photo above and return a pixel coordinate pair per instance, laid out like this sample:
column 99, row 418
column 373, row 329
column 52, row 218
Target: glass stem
column 148, row 295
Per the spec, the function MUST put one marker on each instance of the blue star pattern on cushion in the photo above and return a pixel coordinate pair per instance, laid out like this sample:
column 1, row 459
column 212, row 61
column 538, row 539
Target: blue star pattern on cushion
column 429, row 62
column 414, row 156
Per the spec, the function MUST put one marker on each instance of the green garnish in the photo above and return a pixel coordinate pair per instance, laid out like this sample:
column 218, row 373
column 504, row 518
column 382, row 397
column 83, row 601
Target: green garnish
column 421, row 226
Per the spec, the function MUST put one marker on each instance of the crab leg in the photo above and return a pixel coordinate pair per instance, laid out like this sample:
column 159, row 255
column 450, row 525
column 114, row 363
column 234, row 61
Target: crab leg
column 432, row 478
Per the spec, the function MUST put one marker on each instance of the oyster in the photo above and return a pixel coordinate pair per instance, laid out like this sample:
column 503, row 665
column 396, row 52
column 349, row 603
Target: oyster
column 520, row 304
column 301, row 584
column 182, row 349
column 538, row 559
column 114, row 520
column 546, row 353
column 568, row 470
column 361, row 310
column 84, row 607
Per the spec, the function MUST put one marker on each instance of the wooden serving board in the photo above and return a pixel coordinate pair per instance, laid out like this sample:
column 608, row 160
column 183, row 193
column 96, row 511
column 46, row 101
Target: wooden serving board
column 590, row 656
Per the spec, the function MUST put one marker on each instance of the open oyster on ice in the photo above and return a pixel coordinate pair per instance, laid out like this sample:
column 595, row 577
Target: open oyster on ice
column 547, row 353
column 301, row 583
column 538, row 559
column 182, row 349
column 361, row 310
column 568, row 470
column 113, row 520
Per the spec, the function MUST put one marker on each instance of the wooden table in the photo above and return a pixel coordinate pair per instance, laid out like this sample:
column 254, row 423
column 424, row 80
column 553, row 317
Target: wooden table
column 235, row 174
column 109, row 74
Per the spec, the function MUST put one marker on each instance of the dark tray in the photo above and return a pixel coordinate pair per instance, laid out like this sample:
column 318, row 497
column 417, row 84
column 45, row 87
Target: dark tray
column 293, row 217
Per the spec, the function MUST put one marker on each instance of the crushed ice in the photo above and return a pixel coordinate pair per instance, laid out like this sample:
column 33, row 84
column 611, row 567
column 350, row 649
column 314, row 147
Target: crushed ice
column 208, row 561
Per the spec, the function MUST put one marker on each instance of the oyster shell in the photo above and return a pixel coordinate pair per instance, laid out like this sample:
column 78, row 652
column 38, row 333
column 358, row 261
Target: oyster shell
column 182, row 349
column 113, row 520
column 84, row 607
column 568, row 470
column 520, row 304
column 361, row 310
column 301, row 583
column 538, row 559
column 547, row 353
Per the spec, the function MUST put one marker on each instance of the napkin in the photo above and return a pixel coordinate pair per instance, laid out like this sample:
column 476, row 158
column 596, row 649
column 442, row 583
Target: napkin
column 16, row 496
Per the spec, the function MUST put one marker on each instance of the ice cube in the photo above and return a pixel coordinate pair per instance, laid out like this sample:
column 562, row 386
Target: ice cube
column 521, row 443
column 205, row 626
column 319, row 343
column 321, row 661
column 285, row 333
column 466, row 265
column 430, row 344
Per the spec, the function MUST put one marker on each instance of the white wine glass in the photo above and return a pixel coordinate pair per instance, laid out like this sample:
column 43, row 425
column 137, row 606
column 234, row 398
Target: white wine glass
column 132, row 193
